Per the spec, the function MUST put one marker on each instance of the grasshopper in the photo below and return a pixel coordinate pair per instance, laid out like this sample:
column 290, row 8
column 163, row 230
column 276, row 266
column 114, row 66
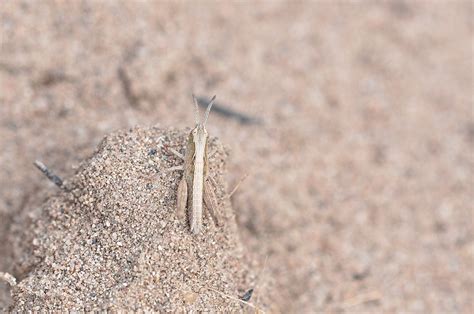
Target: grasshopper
column 194, row 188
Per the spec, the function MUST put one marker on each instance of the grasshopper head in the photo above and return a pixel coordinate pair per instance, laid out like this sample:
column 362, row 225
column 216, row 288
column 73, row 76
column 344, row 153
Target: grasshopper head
column 199, row 133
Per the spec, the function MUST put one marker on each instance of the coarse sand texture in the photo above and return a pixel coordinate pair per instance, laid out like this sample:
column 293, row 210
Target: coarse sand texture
column 114, row 240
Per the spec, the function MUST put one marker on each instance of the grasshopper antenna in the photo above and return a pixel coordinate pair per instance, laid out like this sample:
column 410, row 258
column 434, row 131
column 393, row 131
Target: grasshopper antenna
column 196, row 110
column 206, row 115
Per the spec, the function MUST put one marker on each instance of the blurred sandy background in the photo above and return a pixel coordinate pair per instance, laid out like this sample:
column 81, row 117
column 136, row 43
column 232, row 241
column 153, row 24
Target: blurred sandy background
column 360, row 175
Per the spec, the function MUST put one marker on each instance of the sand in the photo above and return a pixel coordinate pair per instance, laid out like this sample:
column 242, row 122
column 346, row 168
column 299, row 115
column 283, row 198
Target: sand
column 360, row 172
column 113, row 238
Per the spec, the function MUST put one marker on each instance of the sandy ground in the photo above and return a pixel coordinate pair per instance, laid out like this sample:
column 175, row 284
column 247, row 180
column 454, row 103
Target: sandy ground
column 359, row 194
column 113, row 239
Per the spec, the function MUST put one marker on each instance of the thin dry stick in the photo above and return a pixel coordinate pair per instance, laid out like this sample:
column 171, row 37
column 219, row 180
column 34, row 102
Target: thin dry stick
column 237, row 185
column 234, row 298
column 49, row 174
column 229, row 113
column 174, row 151
column 8, row 278
column 132, row 99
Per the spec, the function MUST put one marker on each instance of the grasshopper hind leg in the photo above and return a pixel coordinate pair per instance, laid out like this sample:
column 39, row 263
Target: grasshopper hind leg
column 210, row 200
column 182, row 198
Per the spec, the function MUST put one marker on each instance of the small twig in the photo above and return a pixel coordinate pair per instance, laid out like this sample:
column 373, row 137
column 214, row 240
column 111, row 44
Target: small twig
column 175, row 168
column 234, row 298
column 247, row 295
column 132, row 99
column 8, row 278
column 229, row 113
column 174, row 151
column 49, row 174
column 237, row 185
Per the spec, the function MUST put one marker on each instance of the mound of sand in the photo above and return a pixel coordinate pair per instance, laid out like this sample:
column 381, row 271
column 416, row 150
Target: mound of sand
column 114, row 240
